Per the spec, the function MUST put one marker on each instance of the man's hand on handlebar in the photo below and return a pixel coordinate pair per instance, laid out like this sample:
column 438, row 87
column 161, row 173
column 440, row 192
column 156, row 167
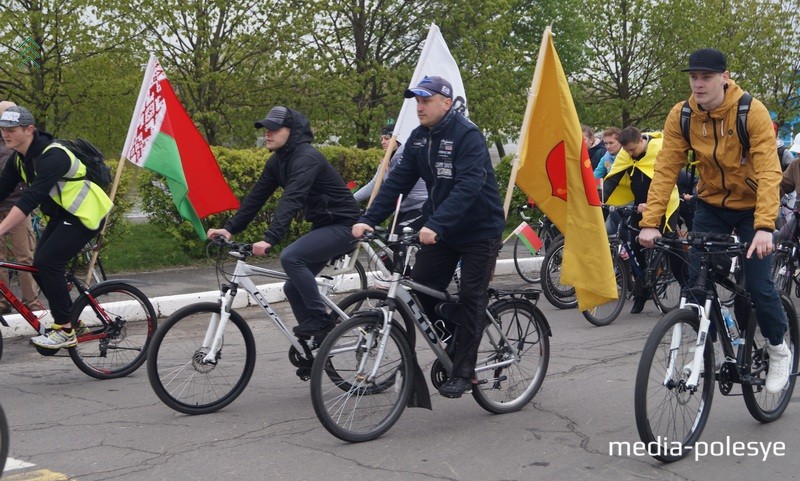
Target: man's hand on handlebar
column 261, row 248
column 360, row 229
column 212, row 233
column 427, row 236
column 648, row 235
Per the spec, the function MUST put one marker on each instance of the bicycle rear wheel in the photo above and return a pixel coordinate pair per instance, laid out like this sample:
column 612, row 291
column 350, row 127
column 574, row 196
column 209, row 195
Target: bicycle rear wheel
column 781, row 272
column 559, row 295
column 119, row 324
column 763, row 406
column 668, row 412
column 607, row 313
column 177, row 372
column 341, row 285
column 509, row 388
column 353, row 405
column 528, row 264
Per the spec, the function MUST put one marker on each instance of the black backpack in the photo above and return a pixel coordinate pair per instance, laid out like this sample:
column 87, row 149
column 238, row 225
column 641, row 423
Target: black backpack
column 96, row 169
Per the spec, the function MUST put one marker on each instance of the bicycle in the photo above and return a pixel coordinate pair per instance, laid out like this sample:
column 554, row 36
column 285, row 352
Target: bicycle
column 4, row 440
column 365, row 372
column 187, row 369
column 114, row 323
column 528, row 268
column 786, row 259
column 677, row 371
column 657, row 276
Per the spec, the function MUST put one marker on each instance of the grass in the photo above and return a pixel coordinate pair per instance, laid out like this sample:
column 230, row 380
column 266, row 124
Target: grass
column 145, row 248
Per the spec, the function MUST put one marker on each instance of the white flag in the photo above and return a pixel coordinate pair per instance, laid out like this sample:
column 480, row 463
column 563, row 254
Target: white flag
column 434, row 60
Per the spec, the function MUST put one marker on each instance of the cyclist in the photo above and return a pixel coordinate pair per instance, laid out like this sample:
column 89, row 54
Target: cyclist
column 77, row 209
column 628, row 181
column 463, row 215
column 309, row 182
column 737, row 189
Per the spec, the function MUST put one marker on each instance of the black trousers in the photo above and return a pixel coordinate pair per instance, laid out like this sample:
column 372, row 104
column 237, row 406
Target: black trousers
column 434, row 267
column 60, row 242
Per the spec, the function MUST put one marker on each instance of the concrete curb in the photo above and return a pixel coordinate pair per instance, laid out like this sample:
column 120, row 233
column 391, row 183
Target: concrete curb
column 273, row 292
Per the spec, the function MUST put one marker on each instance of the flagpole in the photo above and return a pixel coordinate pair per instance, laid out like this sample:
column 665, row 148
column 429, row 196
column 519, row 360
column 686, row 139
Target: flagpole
column 96, row 250
column 382, row 169
column 537, row 79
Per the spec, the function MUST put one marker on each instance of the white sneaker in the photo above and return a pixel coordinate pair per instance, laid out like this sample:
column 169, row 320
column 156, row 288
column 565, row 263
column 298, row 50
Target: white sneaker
column 56, row 339
column 779, row 363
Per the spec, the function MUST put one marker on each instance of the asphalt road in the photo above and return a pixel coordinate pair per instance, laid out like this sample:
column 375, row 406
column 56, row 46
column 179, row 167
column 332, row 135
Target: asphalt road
column 66, row 425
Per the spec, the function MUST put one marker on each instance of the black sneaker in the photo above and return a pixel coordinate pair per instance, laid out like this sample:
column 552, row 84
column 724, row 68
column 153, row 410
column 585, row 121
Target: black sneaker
column 316, row 326
column 638, row 304
column 455, row 387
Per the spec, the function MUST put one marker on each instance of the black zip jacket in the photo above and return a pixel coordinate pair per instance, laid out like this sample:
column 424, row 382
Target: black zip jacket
column 464, row 202
column 309, row 181
column 43, row 171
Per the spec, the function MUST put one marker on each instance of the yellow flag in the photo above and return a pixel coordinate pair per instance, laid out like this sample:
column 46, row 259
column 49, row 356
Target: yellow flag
column 554, row 169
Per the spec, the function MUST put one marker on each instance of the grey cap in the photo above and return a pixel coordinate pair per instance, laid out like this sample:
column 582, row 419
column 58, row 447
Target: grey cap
column 276, row 118
column 16, row 116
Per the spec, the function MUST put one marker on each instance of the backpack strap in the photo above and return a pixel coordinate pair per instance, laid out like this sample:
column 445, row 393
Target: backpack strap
column 686, row 117
column 741, row 120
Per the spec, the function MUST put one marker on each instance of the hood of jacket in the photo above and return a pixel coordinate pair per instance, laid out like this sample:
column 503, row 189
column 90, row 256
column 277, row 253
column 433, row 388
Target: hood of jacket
column 300, row 133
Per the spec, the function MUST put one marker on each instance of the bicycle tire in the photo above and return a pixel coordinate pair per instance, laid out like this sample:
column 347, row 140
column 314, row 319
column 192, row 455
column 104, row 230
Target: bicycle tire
column 176, row 371
column 666, row 290
column 763, row 406
column 526, row 263
column 607, row 313
column 5, row 436
column 118, row 337
column 1, row 346
column 652, row 395
column 510, row 388
column 366, row 409
column 559, row 295
column 781, row 272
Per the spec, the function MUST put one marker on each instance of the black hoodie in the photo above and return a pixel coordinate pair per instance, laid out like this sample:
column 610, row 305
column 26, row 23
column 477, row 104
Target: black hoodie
column 309, row 181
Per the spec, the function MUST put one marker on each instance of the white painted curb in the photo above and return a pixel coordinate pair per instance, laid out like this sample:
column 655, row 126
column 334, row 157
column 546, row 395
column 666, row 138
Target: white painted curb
column 273, row 292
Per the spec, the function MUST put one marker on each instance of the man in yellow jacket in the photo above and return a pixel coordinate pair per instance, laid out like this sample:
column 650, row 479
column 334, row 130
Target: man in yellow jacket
column 737, row 188
column 628, row 182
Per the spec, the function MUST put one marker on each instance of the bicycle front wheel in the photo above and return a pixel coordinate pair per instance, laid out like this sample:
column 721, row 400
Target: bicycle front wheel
column 607, row 313
column 4, row 440
column 668, row 412
column 666, row 289
column 558, row 294
column 118, row 323
column 181, row 377
column 372, row 384
column 525, row 342
column 762, row 405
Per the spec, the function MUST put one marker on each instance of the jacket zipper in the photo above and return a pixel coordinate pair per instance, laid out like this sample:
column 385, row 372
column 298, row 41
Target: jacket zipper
column 433, row 171
column 716, row 160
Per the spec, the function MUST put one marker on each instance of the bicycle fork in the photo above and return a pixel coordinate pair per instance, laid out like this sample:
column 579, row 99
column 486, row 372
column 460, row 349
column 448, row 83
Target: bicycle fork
column 216, row 328
column 700, row 346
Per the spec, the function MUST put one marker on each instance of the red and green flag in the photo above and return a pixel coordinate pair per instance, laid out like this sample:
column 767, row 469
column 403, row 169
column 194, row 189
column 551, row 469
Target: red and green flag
column 163, row 138
column 528, row 237
column 353, row 186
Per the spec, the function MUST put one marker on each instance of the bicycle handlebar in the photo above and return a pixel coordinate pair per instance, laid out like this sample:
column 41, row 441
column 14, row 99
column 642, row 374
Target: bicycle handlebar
column 238, row 247
column 705, row 241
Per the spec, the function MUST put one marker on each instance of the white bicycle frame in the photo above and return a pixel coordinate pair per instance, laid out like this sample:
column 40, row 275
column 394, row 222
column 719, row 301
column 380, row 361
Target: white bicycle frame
column 242, row 278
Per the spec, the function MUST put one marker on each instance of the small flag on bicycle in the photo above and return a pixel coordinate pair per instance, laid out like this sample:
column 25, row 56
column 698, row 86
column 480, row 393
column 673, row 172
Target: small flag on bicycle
column 528, row 237
column 353, row 186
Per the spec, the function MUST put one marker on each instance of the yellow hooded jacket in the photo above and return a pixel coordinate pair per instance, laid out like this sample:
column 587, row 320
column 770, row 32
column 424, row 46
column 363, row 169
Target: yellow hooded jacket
column 726, row 178
column 622, row 194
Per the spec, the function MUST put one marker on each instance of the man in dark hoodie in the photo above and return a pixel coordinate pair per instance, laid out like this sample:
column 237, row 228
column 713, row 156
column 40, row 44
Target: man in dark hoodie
column 463, row 215
column 309, row 182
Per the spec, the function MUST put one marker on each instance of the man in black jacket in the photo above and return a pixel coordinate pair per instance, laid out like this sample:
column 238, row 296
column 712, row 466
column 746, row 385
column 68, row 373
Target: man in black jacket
column 464, row 215
column 311, row 183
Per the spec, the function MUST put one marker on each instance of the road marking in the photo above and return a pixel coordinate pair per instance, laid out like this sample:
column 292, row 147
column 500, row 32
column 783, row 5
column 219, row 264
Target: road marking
column 12, row 464
column 39, row 475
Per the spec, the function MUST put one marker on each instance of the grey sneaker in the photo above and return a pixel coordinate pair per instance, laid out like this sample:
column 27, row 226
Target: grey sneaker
column 56, row 339
column 779, row 363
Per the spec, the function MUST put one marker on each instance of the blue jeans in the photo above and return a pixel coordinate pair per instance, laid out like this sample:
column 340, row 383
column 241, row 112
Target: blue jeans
column 304, row 258
column 757, row 272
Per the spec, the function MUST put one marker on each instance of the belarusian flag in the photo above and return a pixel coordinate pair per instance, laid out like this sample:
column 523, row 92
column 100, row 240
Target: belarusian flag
column 163, row 138
column 528, row 237
column 353, row 186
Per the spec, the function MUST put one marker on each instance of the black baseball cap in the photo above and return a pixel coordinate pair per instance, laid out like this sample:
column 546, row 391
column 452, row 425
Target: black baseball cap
column 276, row 118
column 707, row 59
column 15, row 116
column 430, row 86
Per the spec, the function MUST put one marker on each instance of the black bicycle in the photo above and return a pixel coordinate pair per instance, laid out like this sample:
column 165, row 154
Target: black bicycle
column 678, row 369
column 4, row 440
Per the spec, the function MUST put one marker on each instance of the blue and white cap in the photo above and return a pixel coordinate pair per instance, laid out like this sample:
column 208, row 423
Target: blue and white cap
column 430, row 86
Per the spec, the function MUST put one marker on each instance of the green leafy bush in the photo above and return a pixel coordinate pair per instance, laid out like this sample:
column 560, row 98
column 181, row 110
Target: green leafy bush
column 241, row 169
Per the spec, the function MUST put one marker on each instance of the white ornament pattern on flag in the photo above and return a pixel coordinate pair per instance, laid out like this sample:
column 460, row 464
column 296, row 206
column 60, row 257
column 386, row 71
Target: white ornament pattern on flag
column 150, row 120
